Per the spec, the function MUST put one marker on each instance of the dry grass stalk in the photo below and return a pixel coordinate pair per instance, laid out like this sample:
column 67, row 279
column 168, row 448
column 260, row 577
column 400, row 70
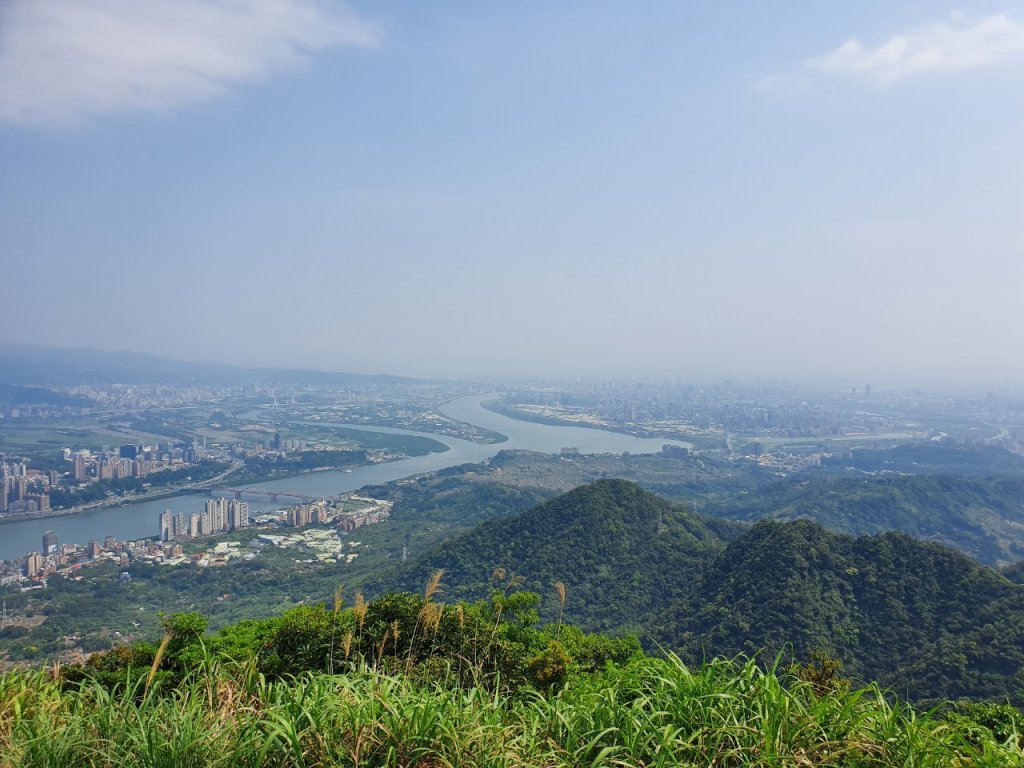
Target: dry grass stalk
column 157, row 659
column 560, row 591
column 359, row 611
column 515, row 581
column 433, row 584
column 346, row 644
column 338, row 599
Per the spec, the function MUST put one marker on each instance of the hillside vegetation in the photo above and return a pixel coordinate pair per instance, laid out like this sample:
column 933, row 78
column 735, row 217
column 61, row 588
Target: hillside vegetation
column 758, row 641
column 623, row 553
column 409, row 681
column 983, row 517
column 907, row 613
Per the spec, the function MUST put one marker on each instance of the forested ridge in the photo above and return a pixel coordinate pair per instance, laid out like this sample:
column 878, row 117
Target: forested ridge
column 910, row 613
column 984, row 517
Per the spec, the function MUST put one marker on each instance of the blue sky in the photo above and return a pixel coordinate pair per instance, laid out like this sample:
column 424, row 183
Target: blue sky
column 745, row 189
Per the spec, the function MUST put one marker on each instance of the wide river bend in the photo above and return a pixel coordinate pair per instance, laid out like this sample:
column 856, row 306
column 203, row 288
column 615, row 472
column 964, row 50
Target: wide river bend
column 139, row 520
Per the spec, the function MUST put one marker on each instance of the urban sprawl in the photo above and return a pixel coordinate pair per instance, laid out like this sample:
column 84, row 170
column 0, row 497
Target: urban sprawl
column 333, row 518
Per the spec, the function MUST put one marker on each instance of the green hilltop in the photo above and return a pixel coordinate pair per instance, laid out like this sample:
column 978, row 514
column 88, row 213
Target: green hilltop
column 621, row 551
column 885, row 605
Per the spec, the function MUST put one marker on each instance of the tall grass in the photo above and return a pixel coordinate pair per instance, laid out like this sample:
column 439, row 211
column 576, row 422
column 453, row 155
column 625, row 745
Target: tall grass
column 653, row 712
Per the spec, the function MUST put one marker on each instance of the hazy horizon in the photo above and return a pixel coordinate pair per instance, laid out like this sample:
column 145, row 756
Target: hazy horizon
column 803, row 192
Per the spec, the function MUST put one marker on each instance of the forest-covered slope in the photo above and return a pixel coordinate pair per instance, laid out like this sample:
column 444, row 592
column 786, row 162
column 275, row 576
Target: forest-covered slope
column 621, row 552
column 886, row 605
column 983, row 517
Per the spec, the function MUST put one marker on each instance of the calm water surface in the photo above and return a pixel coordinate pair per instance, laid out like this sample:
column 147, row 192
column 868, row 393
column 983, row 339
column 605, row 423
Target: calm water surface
column 139, row 520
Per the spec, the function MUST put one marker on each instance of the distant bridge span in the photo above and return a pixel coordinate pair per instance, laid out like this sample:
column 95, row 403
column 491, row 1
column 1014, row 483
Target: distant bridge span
column 272, row 495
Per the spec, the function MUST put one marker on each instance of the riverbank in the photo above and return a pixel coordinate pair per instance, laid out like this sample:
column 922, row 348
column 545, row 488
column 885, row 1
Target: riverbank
column 139, row 518
column 695, row 441
column 124, row 501
column 254, row 479
column 169, row 493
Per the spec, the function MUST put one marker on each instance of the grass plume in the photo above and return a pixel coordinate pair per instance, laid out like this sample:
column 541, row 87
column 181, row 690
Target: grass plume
column 157, row 658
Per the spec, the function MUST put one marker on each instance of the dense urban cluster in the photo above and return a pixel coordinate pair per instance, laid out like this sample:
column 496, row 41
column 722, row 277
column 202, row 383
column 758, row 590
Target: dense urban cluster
column 65, row 559
column 219, row 516
column 130, row 460
column 725, row 408
column 766, row 413
column 25, row 490
column 22, row 489
column 133, row 397
column 341, row 515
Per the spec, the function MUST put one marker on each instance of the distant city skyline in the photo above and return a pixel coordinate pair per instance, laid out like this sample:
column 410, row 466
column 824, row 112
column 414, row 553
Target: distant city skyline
column 583, row 189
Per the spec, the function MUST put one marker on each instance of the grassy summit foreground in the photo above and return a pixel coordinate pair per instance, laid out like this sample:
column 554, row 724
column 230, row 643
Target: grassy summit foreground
column 649, row 712
column 409, row 681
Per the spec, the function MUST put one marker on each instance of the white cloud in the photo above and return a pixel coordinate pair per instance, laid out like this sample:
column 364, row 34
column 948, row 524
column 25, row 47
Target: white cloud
column 957, row 45
column 62, row 61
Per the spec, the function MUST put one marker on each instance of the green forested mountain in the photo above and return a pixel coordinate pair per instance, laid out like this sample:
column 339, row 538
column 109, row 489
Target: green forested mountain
column 984, row 517
column 621, row 552
column 909, row 613
column 943, row 498
column 889, row 606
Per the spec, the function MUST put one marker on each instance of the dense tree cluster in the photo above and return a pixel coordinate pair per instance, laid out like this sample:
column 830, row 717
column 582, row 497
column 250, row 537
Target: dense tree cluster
column 496, row 643
column 908, row 613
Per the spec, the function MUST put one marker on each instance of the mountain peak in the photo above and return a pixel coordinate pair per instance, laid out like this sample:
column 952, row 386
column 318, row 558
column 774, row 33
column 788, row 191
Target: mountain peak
column 616, row 547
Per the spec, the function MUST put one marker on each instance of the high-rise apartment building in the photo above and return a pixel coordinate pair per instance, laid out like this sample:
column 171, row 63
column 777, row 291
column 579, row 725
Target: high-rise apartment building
column 299, row 515
column 50, row 543
column 238, row 515
column 33, row 564
column 217, row 509
column 166, row 525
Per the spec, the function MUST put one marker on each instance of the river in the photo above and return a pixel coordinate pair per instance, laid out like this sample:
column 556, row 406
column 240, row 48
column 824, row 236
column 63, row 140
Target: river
column 139, row 520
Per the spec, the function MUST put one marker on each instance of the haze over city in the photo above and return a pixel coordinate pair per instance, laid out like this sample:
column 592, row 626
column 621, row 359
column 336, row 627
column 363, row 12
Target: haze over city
column 525, row 383
column 454, row 188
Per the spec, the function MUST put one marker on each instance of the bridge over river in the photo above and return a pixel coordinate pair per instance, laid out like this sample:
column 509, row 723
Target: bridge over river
column 272, row 494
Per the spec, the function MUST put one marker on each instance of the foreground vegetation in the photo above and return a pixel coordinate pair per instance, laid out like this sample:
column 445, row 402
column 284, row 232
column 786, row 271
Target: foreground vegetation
column 409, row 681
column 650, row 712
